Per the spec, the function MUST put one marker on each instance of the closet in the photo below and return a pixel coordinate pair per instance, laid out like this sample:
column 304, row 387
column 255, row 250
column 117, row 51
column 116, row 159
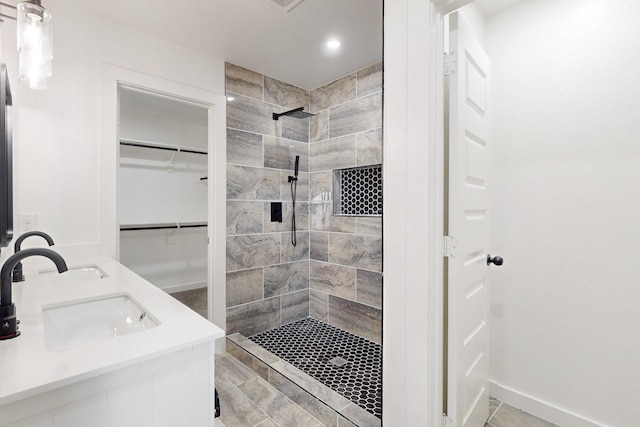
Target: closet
column 162, row 190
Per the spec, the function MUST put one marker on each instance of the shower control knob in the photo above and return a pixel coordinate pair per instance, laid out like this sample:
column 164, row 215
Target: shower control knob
column 496, row 260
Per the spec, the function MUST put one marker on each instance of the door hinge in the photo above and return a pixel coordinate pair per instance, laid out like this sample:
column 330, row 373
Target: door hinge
column 450, row 63
column 449, row 249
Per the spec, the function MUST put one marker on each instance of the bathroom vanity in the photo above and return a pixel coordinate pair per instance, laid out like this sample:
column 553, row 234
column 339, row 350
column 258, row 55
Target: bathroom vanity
column 100, row 346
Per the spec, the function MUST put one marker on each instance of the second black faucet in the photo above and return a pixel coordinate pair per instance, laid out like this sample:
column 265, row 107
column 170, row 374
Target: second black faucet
column 18, row 275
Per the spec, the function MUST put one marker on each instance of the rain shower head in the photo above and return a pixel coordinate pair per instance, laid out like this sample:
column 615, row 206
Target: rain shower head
column 297, row 113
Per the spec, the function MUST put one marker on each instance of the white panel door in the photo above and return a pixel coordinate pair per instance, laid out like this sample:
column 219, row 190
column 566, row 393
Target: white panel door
column 468, row 222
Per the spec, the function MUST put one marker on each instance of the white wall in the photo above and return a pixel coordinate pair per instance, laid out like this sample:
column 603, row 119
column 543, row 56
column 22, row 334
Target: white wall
column 159, row 186
column 566, row 103
column 158, row 191
column 57, row 132
column 151, row 118
column 173, row 260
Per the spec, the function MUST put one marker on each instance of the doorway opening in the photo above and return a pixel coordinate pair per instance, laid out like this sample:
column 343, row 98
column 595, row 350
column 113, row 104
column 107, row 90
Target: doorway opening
column 162, row 193
column 113, row 79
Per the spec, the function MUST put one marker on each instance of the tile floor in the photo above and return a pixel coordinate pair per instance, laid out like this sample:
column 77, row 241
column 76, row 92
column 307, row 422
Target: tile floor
column 195, row 299
column 246, row 400
column 503, row 415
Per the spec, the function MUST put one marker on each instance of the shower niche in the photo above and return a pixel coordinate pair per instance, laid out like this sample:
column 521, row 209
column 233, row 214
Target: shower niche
column 358, row 191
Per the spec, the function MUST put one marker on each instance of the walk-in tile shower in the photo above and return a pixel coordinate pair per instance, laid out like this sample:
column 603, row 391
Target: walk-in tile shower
column 330, row 282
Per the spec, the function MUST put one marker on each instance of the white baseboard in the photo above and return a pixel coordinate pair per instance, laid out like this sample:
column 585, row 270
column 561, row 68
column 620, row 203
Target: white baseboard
column 539, row 408
column 184, row 287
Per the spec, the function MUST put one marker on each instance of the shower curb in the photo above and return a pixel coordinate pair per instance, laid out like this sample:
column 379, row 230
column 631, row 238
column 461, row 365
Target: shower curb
column 332, row 409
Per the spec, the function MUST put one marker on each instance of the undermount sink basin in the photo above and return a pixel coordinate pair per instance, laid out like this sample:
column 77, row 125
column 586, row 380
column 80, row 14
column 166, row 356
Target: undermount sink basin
column 84, row 272
column 74, row 323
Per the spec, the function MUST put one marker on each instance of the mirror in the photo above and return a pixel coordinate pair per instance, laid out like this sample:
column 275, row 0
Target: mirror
column 6, row 174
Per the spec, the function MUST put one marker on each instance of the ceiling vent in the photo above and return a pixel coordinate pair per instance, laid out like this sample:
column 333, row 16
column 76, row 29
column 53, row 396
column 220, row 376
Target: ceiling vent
column 287, row 4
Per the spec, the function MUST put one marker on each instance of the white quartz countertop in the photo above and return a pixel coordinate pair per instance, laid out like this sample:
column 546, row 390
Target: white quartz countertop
column 29, row 368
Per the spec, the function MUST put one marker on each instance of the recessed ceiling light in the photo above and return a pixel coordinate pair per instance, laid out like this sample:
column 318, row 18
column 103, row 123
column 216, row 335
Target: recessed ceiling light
column 230, row 98
column 333, row 44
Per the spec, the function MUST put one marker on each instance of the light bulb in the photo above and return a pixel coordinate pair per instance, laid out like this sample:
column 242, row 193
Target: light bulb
column 333, row 44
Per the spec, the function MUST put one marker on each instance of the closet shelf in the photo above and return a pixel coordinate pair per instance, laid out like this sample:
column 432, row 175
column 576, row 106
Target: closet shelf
column 158, row 146
column 160, row 226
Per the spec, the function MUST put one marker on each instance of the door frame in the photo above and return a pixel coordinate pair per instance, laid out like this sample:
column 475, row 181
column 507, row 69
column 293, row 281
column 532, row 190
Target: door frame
column 113, row 77
column 413, row 176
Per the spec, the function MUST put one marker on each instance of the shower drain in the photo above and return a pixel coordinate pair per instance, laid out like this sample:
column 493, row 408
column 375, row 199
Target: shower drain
column 338, row 361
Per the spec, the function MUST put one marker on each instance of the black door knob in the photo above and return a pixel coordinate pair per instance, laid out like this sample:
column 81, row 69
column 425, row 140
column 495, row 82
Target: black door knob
column 496, row 260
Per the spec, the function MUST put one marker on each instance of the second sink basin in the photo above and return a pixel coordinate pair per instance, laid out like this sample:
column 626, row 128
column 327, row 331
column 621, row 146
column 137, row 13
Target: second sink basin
column 81, row 272
column 74, row 323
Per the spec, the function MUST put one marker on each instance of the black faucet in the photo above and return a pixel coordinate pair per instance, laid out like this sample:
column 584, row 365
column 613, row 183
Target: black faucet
column 17, row 271
column 8, row 321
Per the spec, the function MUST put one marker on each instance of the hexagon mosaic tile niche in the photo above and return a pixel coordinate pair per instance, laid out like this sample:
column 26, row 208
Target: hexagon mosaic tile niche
column 358, row 191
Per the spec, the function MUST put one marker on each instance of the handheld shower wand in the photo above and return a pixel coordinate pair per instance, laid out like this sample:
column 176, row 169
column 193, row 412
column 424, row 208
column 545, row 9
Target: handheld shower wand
column 294, row 187
column 295, row 170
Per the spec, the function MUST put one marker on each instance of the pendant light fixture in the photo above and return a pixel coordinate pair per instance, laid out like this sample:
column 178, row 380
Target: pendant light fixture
column 35, row 42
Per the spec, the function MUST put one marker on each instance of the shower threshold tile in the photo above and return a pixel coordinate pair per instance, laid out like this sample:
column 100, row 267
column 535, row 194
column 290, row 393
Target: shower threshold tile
column 312, row 386
column 244, row 342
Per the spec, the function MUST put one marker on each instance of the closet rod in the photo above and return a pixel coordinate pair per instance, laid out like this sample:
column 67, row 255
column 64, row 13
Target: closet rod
column 161, row 147
column 171, row 225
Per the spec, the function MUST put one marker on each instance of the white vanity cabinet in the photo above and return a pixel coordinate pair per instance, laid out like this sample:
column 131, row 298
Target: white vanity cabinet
column 172, row 390
column 163, row 376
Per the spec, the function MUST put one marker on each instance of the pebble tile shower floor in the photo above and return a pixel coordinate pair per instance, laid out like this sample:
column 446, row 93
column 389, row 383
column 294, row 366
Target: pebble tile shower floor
column 350, row 365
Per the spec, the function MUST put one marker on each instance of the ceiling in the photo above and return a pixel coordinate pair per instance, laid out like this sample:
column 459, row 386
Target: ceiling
column 262, row 36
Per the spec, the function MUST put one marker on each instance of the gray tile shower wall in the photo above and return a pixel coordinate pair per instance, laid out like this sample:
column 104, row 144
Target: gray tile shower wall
column 346, row 252
column 334, row 272
column 267, row 278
